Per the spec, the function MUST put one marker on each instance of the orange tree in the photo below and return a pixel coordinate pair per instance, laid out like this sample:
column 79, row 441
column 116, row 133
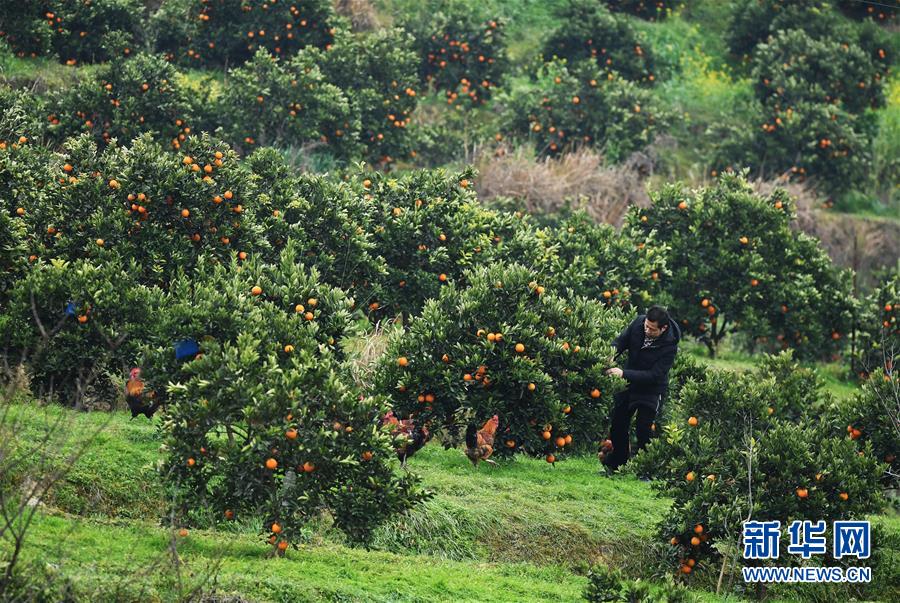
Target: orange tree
column 725, row 457
column 876, row 334
column 506, row 345
column 24, row 162
column 596, row 261
column 262, row 423
column 12, row 254
column 229, row 32
column 427, row 227
column 589, row 31
column 871, row 418
column 377, row 72
column 880, row 12
column 324, row 219
column 21, row 114
column 461, row 53
column 272, row 102
column 24, row 28
column 160, row 209
column 76, row 323
column 753, row 22
column 811, row 141
column 578, row 104
column 651, row 10
column 737, row 266
column 123, row 99
column 794, row 66
column 82, row 30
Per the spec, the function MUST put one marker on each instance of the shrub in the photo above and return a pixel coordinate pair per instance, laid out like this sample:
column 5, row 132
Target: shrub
column 83, row 30
column 800, row 389
column 871, row 418
column 122, row 100
column 505, row 345
column 262, row 423
column 880, row 12
column 794, row 67
column 590, row 31
column 568, row 106
column 807, row 141
column 753, row 21
column 596, row 261
column 736, row 265
column 24, row 28
column 270, row 102
column 323, row 218
column 460, row 53
column 21, row 114
column 428, row 228
column 159, row 209
column 229, row 32
column 12, row 254
column 609, row 585
column 645, row 9
column 737, row 447
column 876, row 332
column 377, row 72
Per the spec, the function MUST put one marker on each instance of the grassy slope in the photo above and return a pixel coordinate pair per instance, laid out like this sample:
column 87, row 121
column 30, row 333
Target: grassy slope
column 521, row 531
column 100, row 555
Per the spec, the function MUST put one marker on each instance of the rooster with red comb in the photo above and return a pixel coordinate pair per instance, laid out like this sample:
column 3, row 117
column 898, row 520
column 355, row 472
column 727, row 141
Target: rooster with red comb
column 139, row 401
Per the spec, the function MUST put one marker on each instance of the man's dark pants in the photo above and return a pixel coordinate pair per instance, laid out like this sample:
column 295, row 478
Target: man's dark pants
column 620, row 430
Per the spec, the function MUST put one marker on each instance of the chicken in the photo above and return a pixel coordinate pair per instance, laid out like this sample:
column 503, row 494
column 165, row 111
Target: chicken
column 480, row 443
column 138, row 401
column 606, row 447
column 417, row 435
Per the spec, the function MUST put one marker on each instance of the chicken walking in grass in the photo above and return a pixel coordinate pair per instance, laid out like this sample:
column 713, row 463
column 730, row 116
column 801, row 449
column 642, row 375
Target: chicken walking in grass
column 139, row 401
column 416, row 435
column 480, row 442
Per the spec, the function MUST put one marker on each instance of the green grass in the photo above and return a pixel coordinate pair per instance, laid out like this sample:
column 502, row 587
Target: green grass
column 39, row 74
column 834, row 374
column 102, row 555
column 521, row 531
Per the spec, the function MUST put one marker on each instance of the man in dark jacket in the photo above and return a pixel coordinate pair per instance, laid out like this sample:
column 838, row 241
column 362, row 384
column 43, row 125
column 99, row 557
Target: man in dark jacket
column 652, row 342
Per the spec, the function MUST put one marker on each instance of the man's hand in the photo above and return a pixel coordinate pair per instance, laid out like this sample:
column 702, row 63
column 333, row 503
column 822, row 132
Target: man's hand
column 615, row 371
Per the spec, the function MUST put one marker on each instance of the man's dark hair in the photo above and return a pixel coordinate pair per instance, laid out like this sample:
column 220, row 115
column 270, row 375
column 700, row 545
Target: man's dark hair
column 658, row 315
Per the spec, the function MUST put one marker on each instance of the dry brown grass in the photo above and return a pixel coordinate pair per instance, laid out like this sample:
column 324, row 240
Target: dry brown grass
column 580, row 179
column 367, row 349
column 362, row 14
column 861, row 243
